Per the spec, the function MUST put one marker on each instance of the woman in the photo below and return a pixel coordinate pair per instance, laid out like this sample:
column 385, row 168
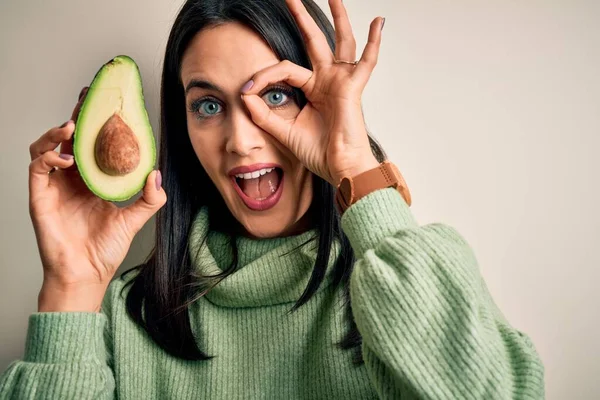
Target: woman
column 260, row 284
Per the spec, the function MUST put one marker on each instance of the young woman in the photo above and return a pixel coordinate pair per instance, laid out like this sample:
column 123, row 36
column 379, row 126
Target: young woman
column 287, row 262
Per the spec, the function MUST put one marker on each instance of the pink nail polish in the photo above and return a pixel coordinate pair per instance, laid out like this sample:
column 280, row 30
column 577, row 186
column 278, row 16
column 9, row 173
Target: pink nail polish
column 65, row 156
column 247, row 86
column 158, row 180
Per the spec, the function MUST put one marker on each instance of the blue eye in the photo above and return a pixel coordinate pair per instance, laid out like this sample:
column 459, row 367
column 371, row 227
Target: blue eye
column 210, row 107
column 205, row 108
column 277, row 96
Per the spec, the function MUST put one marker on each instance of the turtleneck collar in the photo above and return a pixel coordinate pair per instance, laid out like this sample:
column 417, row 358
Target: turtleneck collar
column 270, row 271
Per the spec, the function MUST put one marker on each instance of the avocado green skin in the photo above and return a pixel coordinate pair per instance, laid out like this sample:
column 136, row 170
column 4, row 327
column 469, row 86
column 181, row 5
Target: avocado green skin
column 98, row 191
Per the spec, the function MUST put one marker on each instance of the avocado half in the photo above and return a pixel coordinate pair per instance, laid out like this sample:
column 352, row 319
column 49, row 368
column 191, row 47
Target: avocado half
column 113, row 142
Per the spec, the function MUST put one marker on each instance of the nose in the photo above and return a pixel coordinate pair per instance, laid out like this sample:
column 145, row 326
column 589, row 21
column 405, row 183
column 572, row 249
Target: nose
column 244, row 135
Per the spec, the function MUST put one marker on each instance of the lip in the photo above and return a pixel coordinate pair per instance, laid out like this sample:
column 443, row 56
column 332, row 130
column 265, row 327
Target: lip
column 244, row 169
column 259, row 205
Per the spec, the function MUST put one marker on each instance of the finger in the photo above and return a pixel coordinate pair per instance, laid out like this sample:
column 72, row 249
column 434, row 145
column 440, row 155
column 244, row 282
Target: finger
column 41, row 166
column 317, row 47
column 367, row 63
column 77, row 108
column 51, row 139
column 285, row 71
column 269, row 121
column 345, row 44
column 152, row 199
column 67, row 146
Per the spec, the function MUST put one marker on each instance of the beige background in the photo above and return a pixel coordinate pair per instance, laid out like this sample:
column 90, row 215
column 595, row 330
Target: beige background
column 491, row 110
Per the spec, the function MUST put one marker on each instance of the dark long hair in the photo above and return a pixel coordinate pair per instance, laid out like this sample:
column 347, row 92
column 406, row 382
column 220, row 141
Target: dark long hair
column 166, row 283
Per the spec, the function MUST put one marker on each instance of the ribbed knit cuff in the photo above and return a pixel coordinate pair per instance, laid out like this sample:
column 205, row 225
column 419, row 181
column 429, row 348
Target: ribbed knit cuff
column 55, row 337
column 379, row 214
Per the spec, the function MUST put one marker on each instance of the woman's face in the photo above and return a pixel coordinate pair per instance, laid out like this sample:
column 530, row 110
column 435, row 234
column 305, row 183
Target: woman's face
column 263, row 184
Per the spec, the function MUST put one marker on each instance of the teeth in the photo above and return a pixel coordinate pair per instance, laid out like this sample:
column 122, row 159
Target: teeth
column 254, row 174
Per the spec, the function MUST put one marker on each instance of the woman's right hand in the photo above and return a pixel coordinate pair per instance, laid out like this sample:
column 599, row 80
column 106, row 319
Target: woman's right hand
column 82, row 239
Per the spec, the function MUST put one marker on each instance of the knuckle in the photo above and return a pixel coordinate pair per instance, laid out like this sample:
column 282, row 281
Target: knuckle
column 44, row 159
column 47, row 156
column 36, row 163
column 347, row 37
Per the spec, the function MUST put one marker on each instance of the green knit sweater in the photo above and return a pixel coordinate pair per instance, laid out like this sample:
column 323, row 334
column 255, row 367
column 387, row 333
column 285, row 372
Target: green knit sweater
column 429, row 326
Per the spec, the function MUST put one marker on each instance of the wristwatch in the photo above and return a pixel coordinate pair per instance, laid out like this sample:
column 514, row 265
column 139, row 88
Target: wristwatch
column 352, row 189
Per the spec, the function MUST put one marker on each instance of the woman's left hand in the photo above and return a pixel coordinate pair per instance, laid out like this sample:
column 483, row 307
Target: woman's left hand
column 329, row 135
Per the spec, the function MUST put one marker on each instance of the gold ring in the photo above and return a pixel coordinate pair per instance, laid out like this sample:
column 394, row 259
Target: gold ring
column 346, row 62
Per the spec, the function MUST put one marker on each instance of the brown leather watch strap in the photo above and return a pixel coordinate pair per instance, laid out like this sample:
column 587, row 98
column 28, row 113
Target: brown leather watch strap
column 386, row 174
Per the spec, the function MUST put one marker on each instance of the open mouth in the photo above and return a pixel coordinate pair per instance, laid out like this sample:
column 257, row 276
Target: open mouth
column 260, row 189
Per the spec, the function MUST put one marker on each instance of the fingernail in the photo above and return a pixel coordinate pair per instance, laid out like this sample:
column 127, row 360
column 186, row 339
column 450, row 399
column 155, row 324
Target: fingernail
column 247, row 86
column 382, row 23
column 83, row 91
column 158, row 180
column 65, row 124
column 65, row 156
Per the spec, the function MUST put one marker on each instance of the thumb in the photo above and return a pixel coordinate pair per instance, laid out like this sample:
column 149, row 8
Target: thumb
column 269, row 121
column 152, row 199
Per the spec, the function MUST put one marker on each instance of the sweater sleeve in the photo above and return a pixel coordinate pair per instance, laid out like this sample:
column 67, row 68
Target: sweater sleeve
column 430, row 327
column 68, row 355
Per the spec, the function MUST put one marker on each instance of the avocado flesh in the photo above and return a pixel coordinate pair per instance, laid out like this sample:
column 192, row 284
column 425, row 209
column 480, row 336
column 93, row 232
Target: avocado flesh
column 116, row 89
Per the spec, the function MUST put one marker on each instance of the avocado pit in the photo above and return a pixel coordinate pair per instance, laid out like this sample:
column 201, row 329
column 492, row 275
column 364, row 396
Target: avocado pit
column 116, row 149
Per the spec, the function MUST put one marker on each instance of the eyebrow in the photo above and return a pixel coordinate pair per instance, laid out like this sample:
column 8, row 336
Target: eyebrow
column 198, row 83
